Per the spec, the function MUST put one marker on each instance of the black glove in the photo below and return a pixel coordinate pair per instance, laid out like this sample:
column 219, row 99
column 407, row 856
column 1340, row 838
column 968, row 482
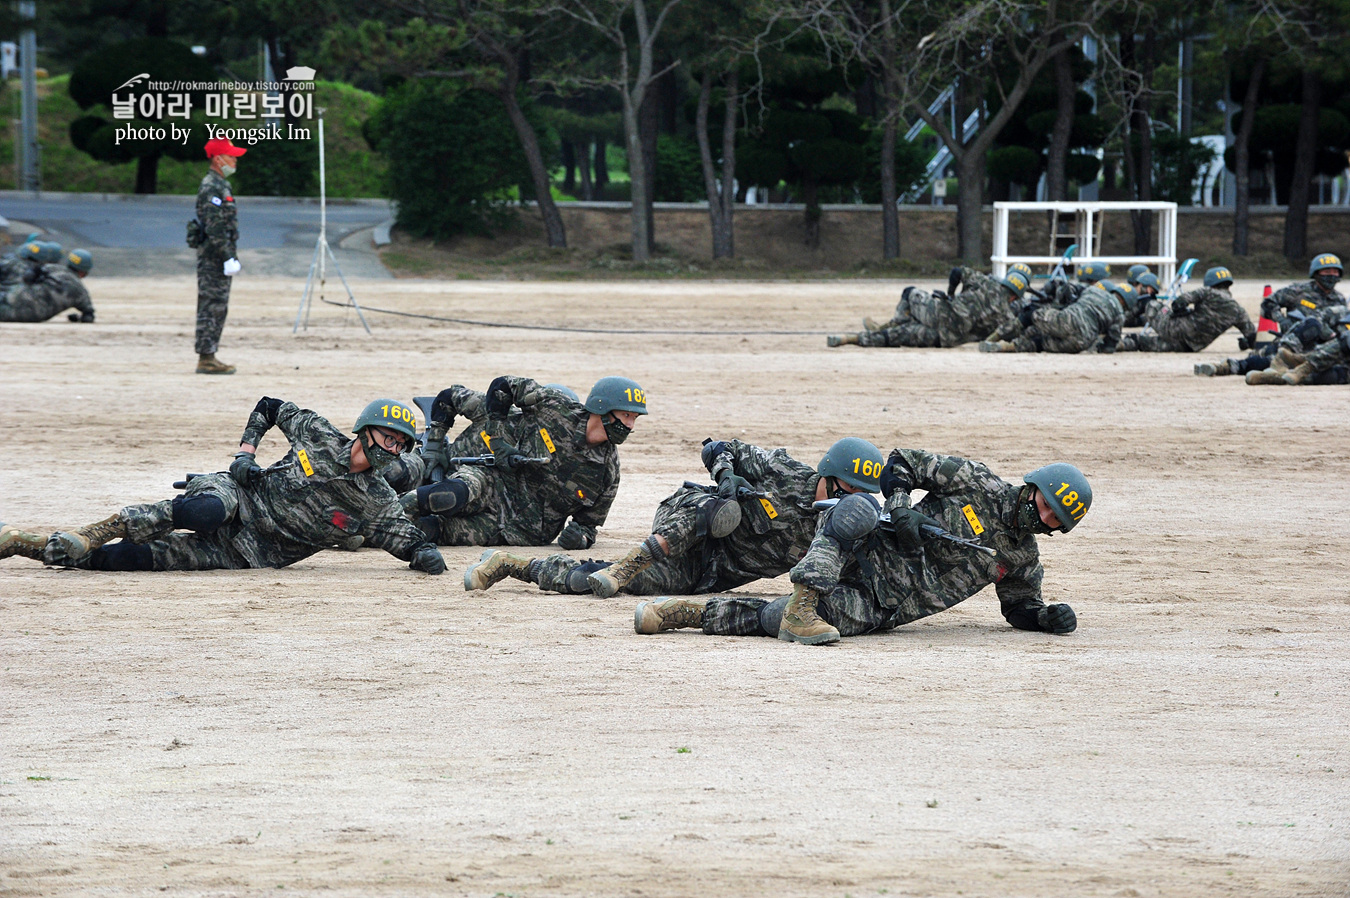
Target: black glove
column 1243, row 343
column 244, row 469
column 1057, row 619
column 908, row 526
column 507, row 456
column 1181, row 308
column 499, row 399
column 436, row 453
column 953, row 280
column 729, row 485
column 427, row 558
column 890, row 479
column 574, row 537
column 1027, row 317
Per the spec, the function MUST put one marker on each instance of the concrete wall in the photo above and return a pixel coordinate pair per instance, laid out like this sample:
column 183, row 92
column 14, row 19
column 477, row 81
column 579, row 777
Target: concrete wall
column 851, row 235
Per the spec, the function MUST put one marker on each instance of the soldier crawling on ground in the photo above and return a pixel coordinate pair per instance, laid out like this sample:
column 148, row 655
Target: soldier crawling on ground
column 49, row 289
column 1193, row 320
column 556, row 459
column 1329, row 363
column 327, row 492
column 947, row 319
column 757, row 523
column 860, row 578
column 1091, row 323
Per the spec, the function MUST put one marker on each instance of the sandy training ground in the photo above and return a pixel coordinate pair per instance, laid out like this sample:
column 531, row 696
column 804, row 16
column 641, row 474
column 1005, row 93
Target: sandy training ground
column 348, row 727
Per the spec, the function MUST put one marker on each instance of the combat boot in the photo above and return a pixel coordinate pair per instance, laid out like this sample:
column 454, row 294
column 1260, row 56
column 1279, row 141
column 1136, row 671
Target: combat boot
column 495, row 566
column 67, row 547
column 607, row 582
column 800, row 621
column 1299, row 375
column 1269, row 377
column 871, row 325
column 842, row 340
column 1212, row 369
column 997, row 346
column 668, row 614
column 14, row 541
column 1289, row 360
column 207, row 363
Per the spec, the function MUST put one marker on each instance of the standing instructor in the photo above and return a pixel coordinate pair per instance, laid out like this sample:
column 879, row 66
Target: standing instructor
column 216, row 233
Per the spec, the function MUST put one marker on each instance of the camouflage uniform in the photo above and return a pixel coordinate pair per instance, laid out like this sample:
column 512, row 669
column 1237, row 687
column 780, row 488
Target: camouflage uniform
column 1212, row 311
column 56, row 289
column 530, row 505
column 1331, row 360
column 934, row 319
column 1093, row 321
column 875, row 585
column 220, row 230
column 15, row 271
column 307, row 502
column 1306, row 296
column 773, row 535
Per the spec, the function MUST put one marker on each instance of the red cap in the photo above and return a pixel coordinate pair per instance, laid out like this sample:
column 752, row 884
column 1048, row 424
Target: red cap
column 221, row 146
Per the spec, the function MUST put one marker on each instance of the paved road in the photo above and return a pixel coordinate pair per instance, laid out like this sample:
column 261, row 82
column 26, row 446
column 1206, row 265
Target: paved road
column 144, row 234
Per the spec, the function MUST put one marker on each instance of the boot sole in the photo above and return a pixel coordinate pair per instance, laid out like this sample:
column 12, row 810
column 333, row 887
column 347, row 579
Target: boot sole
column 602, row 587
column 637, row 619
column 468, row 575
column 822, row 639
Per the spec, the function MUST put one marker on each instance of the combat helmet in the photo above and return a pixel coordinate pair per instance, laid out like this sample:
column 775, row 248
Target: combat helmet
column 854, row 461
column 616, row 394
column 1022, row 267
column 1219, row 277
column 1066, row 491
column 1091, row 272
column 392, row 415
column 50, row 251
column 1325, row 260
column 1137, row 271
column 79, row 261
column 1129, row 297
column 1148, row 279
column 1015, row 281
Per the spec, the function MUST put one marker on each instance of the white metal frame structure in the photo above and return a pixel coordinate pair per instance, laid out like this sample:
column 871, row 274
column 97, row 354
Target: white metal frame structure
column 1166, row 227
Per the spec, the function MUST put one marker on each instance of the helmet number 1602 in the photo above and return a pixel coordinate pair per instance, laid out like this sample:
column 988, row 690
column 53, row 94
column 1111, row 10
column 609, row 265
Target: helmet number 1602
column 866, row 467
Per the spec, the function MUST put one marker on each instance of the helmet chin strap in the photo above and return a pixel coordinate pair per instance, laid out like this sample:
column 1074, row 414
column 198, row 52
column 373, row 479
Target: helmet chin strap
column 378, row 456
column 1028, row 515
column 615, row 430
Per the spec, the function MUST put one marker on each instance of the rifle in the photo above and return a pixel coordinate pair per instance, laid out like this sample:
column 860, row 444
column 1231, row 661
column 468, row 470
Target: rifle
column 933, row 530
column 436, row 474
column 490, row 461
column 741, row 493
column 182, row 484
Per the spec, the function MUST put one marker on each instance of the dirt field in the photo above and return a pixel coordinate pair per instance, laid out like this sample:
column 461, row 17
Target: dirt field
column 348, row 727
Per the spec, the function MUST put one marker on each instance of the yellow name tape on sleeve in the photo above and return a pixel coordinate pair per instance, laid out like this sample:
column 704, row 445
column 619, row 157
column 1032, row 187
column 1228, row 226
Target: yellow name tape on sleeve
column 304, row 463
column 975, row 526
column 487, row 440
column 769, row 509
column 1306, row 304
column 548, row 440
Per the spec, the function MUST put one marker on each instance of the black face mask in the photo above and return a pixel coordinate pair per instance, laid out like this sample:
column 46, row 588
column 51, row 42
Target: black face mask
column 378, row 456
column 837, row 490
column 1327, row 282
column 616, row 430
column 1028, row 516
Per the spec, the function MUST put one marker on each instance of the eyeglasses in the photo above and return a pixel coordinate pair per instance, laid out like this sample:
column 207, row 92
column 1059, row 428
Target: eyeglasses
column 391, row 441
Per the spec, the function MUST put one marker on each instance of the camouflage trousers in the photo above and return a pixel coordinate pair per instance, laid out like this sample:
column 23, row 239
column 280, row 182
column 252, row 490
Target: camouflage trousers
column 695, row 564
column 151, row 525
column 492, row 516
column 213, row 303
column 848, row 609
column 20, row 311
column 1059, row 330
column 921, row 319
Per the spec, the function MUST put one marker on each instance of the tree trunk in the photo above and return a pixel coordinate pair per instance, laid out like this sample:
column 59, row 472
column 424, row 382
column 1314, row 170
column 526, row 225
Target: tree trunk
column 890, row 216
column 970, row 206
column 1242, row 159
column 720, row 202
column 1142, row 124
column 637, row 180
column 1066, row 90
column 529, row 142
column 811, row 196
column 584, row 170
column 601, row 167
column 569, row 162
column 649, row 125
column 1305, row 158
column 147, row 173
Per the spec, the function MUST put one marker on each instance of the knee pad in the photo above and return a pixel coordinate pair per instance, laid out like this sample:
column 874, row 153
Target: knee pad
column 200, row 513
column 771, row 616
column 122, row 556
column 577, row 584
column 442, row 498
column 719, row 517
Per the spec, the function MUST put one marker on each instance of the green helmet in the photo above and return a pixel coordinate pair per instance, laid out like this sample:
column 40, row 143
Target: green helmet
column 1148, row 279
column 31, row 251
column 616, row 394
column 50, row 251
column 854, row 461
column 1091, row 272
column 390, row 413
column 1218, row 277
column 1066, row 491
column 1022, row 267
column 1325, row 260
column 1016, row 281
column 1129, row 297
column 1136, row 271
column 79, row 260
